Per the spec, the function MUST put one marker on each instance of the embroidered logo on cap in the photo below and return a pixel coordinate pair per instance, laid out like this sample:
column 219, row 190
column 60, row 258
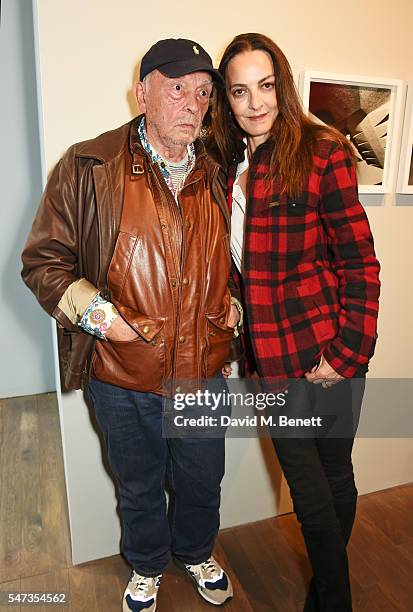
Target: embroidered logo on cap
column 196, row 50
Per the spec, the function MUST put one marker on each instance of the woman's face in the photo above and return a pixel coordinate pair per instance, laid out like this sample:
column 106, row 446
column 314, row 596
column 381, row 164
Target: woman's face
column 251, row 93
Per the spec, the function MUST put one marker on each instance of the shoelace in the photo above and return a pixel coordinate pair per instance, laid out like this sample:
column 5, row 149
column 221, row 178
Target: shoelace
column 208, row 566
column 141, row 583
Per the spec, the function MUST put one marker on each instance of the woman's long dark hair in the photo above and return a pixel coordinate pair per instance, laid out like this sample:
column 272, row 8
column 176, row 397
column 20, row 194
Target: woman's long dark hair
column 293, row 132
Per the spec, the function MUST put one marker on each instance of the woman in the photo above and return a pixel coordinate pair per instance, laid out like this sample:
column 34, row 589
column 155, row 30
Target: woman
column 304, row 260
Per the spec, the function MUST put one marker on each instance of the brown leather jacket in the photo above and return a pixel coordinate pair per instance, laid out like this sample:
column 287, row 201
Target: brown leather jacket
column 74, row 236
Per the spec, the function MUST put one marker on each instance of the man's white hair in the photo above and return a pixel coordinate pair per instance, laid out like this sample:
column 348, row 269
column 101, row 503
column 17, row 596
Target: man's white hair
column 146, row 81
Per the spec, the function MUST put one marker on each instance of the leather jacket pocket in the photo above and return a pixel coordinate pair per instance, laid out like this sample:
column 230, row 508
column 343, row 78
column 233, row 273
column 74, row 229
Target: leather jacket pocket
column 137, row 364
column 219, row 337
column 126, row 245
column 147, row 327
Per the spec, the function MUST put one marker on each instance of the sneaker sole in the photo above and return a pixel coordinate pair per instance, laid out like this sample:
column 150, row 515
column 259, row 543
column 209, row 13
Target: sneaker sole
column 204, row 596
column 181, row 565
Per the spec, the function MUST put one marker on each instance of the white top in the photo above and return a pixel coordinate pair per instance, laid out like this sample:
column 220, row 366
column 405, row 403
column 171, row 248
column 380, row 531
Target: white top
column 238, row 214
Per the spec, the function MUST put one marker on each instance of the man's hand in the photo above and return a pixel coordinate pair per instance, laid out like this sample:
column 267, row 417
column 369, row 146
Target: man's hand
column 323, row 374
column 233, row 317
column 120, row 331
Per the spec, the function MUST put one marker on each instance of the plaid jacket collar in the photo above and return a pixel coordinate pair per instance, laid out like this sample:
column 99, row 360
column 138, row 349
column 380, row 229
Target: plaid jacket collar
column 259, row 165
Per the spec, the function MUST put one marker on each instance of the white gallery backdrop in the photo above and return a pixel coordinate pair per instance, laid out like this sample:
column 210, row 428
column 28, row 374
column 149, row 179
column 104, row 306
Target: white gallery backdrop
column 88, row 53
column 26, row 364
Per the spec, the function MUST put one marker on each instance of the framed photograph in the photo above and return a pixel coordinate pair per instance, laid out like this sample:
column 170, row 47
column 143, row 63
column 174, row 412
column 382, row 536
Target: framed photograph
column 405, row 178
column 368, row 111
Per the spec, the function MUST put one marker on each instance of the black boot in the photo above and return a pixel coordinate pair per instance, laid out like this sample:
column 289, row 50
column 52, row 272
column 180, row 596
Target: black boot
column 346, row 514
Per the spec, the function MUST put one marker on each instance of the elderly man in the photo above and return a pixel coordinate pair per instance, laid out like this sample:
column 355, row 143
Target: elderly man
column 129, row 253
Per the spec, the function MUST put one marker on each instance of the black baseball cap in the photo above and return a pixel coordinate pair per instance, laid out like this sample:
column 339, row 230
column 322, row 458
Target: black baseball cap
column 175, row 57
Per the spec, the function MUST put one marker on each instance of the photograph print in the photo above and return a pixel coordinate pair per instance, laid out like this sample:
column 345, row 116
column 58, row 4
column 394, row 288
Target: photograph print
column 365, row 112
column 405, row 178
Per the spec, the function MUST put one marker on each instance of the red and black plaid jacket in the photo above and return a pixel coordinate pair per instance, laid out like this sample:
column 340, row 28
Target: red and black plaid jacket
column 310, row 275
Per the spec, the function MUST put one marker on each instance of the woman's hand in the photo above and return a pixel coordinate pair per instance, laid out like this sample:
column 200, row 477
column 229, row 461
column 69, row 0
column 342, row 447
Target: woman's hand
column 233, row 317
column 323, row 374
column 226, row 370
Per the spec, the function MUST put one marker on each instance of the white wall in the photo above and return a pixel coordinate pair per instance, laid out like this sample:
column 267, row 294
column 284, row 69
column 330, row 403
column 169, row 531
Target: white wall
column 89, row 51
column 26, row 356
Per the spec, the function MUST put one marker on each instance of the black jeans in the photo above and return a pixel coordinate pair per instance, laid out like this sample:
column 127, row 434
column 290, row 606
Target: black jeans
column 319, row 472
column 141, row 459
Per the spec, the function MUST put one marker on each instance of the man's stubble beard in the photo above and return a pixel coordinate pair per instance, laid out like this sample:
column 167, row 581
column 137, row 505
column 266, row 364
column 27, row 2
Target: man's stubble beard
column 182, row 141
column 168, row 140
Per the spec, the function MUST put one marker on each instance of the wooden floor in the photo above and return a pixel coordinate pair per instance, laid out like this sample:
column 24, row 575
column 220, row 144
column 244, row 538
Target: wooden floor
column 266, row 560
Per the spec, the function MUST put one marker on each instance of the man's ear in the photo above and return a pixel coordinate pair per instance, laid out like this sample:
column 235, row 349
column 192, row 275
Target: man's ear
column 140, row 97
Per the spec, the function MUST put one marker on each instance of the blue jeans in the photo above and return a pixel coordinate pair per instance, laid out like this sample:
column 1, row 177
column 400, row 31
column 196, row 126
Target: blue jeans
column 142, row 462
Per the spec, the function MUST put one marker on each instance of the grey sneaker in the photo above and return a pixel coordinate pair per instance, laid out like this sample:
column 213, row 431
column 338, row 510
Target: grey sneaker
column 140, row 594
column 211, row 581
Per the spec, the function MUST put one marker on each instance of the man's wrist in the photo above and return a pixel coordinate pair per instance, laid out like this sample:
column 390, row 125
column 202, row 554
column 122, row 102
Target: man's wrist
column 98, row 317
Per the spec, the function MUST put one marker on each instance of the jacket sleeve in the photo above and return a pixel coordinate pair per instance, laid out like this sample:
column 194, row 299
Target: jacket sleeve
column 219, row 189
column 50, row 255
column 354, row 262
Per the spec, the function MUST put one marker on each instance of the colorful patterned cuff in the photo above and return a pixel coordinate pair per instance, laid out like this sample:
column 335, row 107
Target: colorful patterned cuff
column 98, row 317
